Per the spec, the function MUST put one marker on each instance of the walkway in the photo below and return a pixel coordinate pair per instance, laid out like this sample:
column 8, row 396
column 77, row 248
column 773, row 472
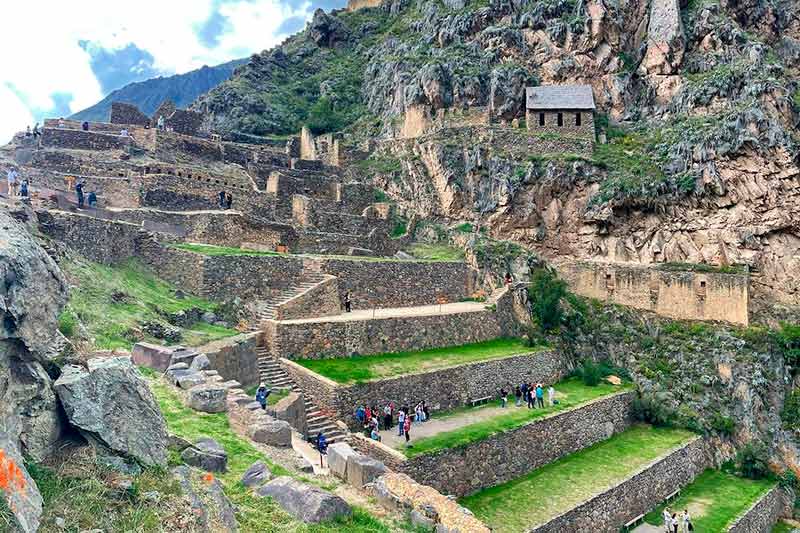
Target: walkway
column 397, row 312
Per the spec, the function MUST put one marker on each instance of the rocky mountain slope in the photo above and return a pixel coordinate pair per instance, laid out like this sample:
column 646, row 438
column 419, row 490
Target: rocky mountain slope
column 699, row 102
column 182, row 89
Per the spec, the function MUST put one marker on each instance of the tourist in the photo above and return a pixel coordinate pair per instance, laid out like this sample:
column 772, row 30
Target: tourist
column 407, row 429
column 524, row 388
column 551, row 395
column 28, row 132
column 69, row 182
column 221, row 199
column 79, row 193
column 387, row 416
column 503, row 397
column 675, row 522
column 36, row 132
column 348, row 305
column 667, row 520
column 160, row 122
column 401, row 419
column 92, row 199
column 540, row 395
column 85, row 126
column 11, row 178
column 123, row 133
column 361, row 414
column 508, row 278
column 418, row 413
column 262, row 394
column 375, row 435
column 23, row 189
column 425, row 411
column 228, row 200
column 687, row 521
column 61, row 122
column 322, row 443
column 531, row 399
column 518, row 395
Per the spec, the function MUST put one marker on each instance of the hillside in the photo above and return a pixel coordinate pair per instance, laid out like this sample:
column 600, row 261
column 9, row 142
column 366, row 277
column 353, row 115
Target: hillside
column 182, row 89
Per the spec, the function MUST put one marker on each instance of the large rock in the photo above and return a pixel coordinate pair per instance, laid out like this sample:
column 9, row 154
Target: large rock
column 272, row 432
column 152, row 356
column 191, row 379
column 208, row 398
column 212, row 510
column 17, row 488
column 338, row 454
column 362, row 470
column 308, row 504
column 207, row 454
column 201, row 362
column 112, row 405
column 255, row 476
column 291, row 409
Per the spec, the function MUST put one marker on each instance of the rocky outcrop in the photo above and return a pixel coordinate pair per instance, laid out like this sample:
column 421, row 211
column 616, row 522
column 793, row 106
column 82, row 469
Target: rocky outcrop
column 665, row 39
column 112, row 406
column 32, row 295
column 306, row 503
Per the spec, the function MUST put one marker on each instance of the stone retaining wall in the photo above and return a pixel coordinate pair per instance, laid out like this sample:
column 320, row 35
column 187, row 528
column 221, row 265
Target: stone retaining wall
column 775, row 504
column 634, row 496
column 442, row 389
column 234, row 358
column 320, row 300
column 83, row 140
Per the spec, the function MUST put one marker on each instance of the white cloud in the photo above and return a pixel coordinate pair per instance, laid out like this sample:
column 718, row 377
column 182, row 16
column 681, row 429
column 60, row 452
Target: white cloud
column 42, row 56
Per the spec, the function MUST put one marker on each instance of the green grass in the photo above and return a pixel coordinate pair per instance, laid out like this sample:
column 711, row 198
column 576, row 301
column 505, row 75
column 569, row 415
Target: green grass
column 253, row 513
column 364, row 368
column 783, row 527
column 572, row 394
column 211, row 250
column 561, row 485
column 436, row 252
column 715, row 499
column 113, row 303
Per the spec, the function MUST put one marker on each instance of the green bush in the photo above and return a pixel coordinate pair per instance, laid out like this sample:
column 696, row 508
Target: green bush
column 788, row 339
column 67, row 323
column 590, row 372
column 722, row 424
column 545, row 293
column 533, row 336
column 652, row 410
column 751, row 461
column 791, row 411
column 323, row 117
column 466, row 227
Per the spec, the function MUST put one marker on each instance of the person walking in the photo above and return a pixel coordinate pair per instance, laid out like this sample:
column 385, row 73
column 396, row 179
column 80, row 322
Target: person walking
column 407, row 430
column 387, row 417
column 79, row 193
column 348, row 304
column 503, row 397
column 11, row 179
column 425, row 411
column 540, row 395
column 36, row 132
column 667, row 516
column 531, row 393
column 262, row 393
column 160, row 122
column 401, row 420
column 675, row 522
column 551, row 395
column 687, row 521
column 360, row 414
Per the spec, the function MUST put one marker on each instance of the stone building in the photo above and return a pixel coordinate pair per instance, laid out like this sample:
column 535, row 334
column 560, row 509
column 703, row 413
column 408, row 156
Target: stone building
column 561, row 110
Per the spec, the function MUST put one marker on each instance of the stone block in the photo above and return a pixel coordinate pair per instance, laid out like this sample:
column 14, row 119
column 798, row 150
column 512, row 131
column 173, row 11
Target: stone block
column 306, row 503
column 192, row 379
column 206, row 454
column 362, row 470
column 181, row 354
column 291, row 409
column 152, row 356
column 200, row 362
column 338, row 454
column 273, row 432
column 208, row 399
column 256, row 475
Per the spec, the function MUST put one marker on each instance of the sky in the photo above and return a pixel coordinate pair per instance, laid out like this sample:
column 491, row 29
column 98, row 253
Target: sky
column 61, row 57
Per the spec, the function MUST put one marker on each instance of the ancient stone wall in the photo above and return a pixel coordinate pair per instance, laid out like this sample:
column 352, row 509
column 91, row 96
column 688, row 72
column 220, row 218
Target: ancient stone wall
column 762, row 515
column 569, row 123
column 353, row 5
column 234, row 358
column 185, row 122
column 675, row 294
column 122, row 113
column 172, row 145
column 249, row 277
column 441, row 389
column 634, row 496
column 83, row 140
column 330, row 338
column 511, row 454
column 320, row 300
column 399, row 283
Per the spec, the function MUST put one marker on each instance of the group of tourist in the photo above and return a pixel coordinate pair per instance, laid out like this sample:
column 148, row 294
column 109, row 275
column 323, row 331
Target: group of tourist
column 35, row 133
column 373, row 419
column 16, row 187
column 224, row 200
column 530, row 394
column 677, row 524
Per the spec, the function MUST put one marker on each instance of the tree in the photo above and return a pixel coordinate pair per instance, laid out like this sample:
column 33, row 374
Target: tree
column 545, row 293
column 323, row 117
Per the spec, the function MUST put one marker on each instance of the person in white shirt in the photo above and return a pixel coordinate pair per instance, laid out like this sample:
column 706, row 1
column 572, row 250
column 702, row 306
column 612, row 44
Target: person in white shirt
column 551, row 395
column 11, row 178
column 667, row 520
column 686, row 521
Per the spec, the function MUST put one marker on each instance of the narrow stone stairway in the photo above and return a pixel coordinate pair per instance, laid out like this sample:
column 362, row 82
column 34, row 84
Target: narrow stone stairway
column 312, row 276
column 274, row 375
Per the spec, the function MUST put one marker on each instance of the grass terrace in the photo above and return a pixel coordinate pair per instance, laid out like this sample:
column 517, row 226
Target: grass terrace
column 423, row 255
column 371, row 367
column 714, row 500
column 571, row 393
column 561, row 485
column 114, row 302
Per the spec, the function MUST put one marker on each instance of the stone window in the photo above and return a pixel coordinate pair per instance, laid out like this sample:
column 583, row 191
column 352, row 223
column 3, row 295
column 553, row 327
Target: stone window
column 577, row 119
column 541, row 119
column 561, row 119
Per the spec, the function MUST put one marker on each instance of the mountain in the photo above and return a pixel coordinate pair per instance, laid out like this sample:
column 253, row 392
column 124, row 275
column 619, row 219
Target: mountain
column 183, row 89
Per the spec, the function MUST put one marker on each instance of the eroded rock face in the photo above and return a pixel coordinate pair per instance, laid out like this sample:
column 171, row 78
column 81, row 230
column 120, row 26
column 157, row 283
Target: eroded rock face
column 112, row 406
column 665, row 39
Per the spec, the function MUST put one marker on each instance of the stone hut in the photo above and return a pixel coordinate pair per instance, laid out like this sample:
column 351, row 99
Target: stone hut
column 561, row 109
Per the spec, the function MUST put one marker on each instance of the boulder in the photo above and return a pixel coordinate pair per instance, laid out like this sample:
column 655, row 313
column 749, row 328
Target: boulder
column 272, row 432
column 255, row 476
column 306, row 503
column 112, row 405
column 212, row 510
column 362, row 470
column 206, row 454
column 338, row 454
column 152, row 356
column 291, row 409
column 21, row 495
column 209, row 318
column 201, row 362
column 191, row 379
column 208, row 398
column 181, row 354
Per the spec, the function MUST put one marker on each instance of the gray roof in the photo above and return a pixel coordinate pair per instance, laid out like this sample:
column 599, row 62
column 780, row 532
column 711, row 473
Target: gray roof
column 560, row 97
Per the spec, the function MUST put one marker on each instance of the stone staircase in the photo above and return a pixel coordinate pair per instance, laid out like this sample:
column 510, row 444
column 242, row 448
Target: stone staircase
column 267, row 309
column 273, row 374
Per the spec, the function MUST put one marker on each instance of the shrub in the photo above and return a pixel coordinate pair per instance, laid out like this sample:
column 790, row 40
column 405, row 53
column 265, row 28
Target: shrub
column 323, row 117
column 590, row 372
column 751, row 461
column 652, row 410
column 533, row 336
column 788, row 479
column 791, row 411
column 466, row 227
column 722, row 424
column 788, row 339
column 67, row 323
column 546, row 292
